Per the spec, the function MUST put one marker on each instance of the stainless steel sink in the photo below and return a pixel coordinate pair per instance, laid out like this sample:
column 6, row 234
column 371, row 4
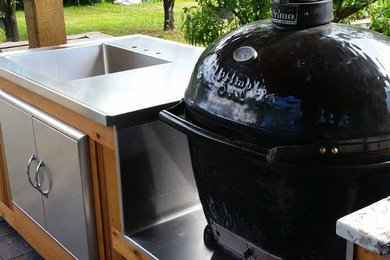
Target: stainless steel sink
column 108, row 80
column 84, row 61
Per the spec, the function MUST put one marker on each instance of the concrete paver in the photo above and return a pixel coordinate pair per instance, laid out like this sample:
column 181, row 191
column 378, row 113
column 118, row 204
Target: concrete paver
column 13, row 246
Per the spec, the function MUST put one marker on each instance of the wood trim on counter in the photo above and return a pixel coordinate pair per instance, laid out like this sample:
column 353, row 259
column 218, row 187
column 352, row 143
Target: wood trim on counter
column 101, row 238
column 38, row 238
column 112, row 195
column 99, row 170
column 5, row 195
column 106, row 198
column 361, row 253
column 99, row 133
column 125, row 248
column 112, row 190
column 7, row 214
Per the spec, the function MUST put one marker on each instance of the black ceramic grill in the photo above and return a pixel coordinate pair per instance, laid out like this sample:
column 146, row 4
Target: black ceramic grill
column 289, row 129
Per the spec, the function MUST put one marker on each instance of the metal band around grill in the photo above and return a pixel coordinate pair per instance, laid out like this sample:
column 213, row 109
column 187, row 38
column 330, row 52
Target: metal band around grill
column 239, row 245
column 301, row 14
column 372, row 144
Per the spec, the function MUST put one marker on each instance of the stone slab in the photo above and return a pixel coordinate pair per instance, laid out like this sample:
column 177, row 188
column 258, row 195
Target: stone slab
column 368, row 227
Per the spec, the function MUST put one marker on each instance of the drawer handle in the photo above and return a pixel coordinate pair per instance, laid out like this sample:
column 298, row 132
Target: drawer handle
column 32, row 158
column 39, row 179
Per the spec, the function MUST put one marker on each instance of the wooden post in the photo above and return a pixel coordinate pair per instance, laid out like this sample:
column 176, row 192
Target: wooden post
column 45, row 22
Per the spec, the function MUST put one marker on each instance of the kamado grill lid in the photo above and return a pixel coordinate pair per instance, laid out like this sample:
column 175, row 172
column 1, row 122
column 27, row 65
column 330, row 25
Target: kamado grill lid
column 327, row 82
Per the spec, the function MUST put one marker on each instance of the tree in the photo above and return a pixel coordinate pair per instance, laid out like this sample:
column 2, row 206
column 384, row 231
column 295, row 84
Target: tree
column 212, row 18
column 346, row 8
column 169, row 21
column 8, row 20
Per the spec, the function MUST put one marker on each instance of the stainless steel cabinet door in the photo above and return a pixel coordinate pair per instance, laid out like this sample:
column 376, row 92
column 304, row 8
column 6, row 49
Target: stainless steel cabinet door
column 61, row 179
column 19, row 146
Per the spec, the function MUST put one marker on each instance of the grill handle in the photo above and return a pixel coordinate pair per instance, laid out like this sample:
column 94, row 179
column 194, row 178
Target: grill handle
column 174, row 117
column 288, row 154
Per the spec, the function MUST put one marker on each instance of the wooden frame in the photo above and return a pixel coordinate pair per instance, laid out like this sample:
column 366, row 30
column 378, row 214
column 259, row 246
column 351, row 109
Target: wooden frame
column 5, row 196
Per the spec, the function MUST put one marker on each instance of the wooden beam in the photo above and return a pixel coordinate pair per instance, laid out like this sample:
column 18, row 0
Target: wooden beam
column 125, row 248
column 102, row 239
column 45, row 22
column 110, row 186
column 100, row 200
column 112, row 190
column 5, row 194
column 106, row 198
column 7, row 214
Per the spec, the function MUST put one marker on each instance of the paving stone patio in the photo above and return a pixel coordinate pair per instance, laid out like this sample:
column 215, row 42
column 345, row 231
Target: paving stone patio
column 13, row 246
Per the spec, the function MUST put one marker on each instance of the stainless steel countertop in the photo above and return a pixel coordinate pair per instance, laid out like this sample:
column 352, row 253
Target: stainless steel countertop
column 178, row 238
column 120, row 98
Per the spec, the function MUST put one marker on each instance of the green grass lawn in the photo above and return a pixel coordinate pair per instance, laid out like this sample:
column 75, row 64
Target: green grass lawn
column 145, row 18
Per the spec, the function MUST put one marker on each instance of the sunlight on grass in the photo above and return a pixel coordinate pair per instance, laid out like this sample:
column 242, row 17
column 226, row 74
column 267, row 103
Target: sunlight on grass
column 117, row 20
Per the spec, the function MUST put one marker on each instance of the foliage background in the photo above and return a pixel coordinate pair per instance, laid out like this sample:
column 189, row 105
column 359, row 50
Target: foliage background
column 202, row 21
column 116, row 20
column 209, row 19
column 380, row 16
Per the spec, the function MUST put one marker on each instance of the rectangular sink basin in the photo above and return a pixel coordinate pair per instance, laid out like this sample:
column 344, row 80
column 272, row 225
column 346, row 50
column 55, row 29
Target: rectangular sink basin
column 84, row 62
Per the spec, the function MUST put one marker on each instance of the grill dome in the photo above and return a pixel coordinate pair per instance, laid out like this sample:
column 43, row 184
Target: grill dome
column 328, row 82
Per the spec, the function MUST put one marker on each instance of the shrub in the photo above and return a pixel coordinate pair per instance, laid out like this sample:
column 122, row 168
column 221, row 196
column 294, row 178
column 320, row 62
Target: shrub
column 212, row 18
column 380, row 17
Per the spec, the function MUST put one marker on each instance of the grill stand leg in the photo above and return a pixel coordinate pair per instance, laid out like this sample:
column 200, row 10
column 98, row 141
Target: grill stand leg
column 349, row 253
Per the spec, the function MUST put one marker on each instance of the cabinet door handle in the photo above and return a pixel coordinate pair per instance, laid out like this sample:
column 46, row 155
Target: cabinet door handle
column 39, row 179
column 32, row 158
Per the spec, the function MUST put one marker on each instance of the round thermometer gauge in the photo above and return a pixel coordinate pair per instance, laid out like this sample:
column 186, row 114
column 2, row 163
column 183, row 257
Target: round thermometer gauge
column 244, row 54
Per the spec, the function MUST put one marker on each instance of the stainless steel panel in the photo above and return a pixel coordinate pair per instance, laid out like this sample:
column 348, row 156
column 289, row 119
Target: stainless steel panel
column 84, row 62
column 19, row 145
column 64, row 205
column 349, row 250
column 32, row 111
column 156, row 177
column 179, row 238
column 160, row 208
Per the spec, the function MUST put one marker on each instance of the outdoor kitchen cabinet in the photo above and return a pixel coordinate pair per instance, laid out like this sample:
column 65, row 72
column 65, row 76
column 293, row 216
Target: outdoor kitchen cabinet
column 48, row 174
column 105, row 214
column 101, row 106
